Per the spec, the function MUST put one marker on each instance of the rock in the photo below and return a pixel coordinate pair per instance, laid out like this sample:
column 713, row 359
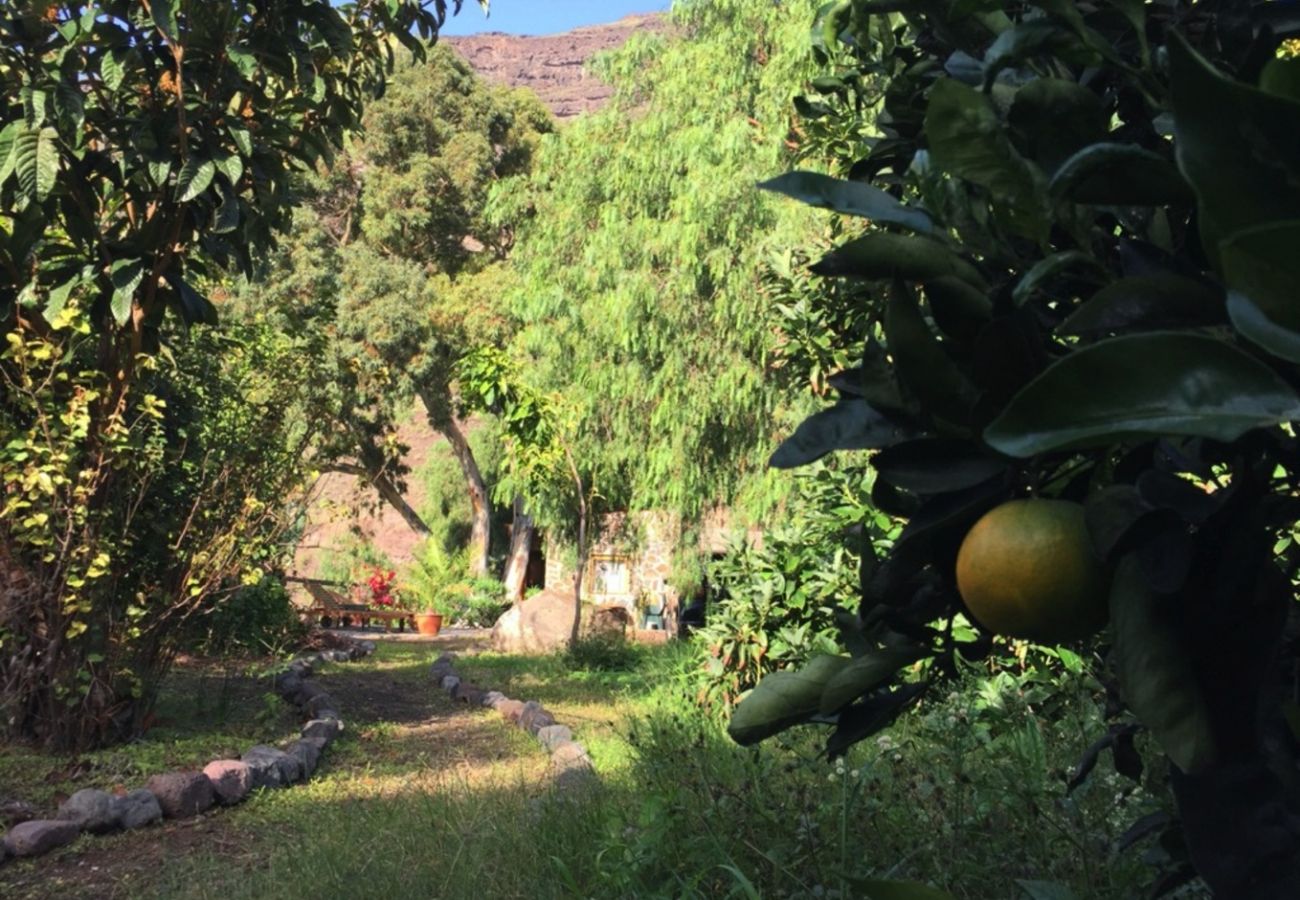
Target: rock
column 473, row 696
column 340, row 656
column 510, row 710
column 12, row 812
column 91, row 810
column 325, row 729
column 271, row 767
column 138, row 809
column 301, row 667
column 551, row 736
column 492, row 698
column 288, row 684
column 307, row 691
column 541, row 624
column 449, row 683
column 532, row 714
column 367, row 647
column 445, row 656
column 182, row 794
column 40, row 836
column 307, row 754
column 569, row 755
column 542, row 720
column 231, row 779
column 312, row 708
column 461, row 690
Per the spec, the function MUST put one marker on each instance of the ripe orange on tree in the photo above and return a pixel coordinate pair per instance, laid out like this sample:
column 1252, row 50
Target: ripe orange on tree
column 1027, row 570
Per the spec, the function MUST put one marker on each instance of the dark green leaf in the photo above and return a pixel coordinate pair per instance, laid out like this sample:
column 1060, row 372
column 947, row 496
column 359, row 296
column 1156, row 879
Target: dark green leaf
column 968, row 140
column 1262, row 269
column 194, row 307
column 36, row 161
column 883, row 889
column 882, row 255
column 932, row 465
column 959, row 309
column 164, row 16
column 126, row 275
column 195, row 177
column 1238, row 147
column 8, row 138
column 1147, row 301
column 1052, row 118
column 1119, row 175
column 1143, row 386
column 1155, row 674
column 848, row 425
column 783, row 699
column 923, row 364
column 852, row 198
column 1028, row 40
column 864, row 674
column 1049, row 267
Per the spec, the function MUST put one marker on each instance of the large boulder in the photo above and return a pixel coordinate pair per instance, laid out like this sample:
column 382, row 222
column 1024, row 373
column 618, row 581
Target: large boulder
column 39, row 836
column 138, row 809
column 182, row 794
column 231, row 779
column 91, row 810
column 541, row 624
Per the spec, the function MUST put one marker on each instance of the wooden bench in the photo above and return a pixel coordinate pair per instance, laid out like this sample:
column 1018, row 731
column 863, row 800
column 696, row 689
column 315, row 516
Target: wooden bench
column 331, row 610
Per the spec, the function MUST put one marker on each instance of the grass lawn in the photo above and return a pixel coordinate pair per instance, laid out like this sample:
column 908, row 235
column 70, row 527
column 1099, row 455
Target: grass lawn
column 426, row 798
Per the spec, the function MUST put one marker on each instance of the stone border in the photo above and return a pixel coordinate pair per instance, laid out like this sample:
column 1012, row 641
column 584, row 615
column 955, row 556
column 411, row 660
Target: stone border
column 178, row 795
column 569, row 760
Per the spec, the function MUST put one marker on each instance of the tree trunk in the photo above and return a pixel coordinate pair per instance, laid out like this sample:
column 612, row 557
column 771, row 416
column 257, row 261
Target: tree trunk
column 521, row 546
column 388, row 491
column 582, row 548
column 442, row 421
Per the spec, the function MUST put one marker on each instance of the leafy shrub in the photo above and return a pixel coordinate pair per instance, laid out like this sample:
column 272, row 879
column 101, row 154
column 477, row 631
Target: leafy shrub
column 254, row 618
column 433, row 579
column 776, row 604
column 477, row 603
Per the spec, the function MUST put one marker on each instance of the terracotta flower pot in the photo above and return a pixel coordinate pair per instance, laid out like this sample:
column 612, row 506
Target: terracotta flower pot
column 428, row 623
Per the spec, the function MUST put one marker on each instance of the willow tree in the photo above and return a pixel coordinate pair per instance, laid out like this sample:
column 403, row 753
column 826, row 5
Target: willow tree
column 642, row 254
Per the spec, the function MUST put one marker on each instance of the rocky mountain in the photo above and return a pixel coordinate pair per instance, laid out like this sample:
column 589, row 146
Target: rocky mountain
column 552, row 66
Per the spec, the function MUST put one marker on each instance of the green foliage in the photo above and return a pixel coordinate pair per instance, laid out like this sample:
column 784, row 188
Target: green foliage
column 256, row 618
column 1079, row 278
column 432, row 578
column 642, row 258
column 476, row 603
column 776, row 605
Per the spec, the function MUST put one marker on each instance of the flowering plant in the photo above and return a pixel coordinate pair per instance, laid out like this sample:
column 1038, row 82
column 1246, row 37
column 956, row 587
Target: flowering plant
column 381, row 588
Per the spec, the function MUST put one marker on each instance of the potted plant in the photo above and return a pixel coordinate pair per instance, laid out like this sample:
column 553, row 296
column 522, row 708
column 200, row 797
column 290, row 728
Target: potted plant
column 432, row 574
column 428, row 620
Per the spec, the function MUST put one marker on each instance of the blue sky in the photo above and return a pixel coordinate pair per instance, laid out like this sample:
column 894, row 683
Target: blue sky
column 545, row 16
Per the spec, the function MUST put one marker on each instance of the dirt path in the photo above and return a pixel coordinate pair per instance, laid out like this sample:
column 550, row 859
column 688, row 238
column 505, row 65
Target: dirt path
column 404, row 738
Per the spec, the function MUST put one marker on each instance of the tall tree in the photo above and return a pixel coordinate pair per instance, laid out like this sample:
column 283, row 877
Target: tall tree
column 144, row 147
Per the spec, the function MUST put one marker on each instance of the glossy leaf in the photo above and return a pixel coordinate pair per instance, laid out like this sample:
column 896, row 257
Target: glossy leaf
column 923, row 364
column 195, row 177
column 851, row 198
column 882, row 255
column 1108, row 174
column 932, row 465
column 1147, row 301
column 1143, row 386
column 1262, row 269
column 968, row 140
column 783, row 699
column 848, row 425
column 1053, row 118
column 1156, row 677
column 126, row 275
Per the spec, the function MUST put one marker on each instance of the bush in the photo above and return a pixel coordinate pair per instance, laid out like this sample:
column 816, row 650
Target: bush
column 255, row 618
column 477, row 603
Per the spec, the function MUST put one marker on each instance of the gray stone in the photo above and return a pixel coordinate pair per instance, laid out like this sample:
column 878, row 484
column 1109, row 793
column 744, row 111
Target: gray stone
column 302, row 667
column 462, row 690
column 492, row 698
column 325, row 729
column 306, row 691
column 271, row 767
column 182, row 794
column 367, row 647
column 231, row 779
column 307, row 754
column 91, row 810
column 138, row 809
column 445, row 656
column 313, row 707
column 534, row 717
column 531, row 708
column 569, row 755
column 449, row 683
column 14, row 811
column 473, row 696
column 288, row 684
column 576, row 779
column 510, row 710
column 40, row 836
column 340, row 656
column 551, row 736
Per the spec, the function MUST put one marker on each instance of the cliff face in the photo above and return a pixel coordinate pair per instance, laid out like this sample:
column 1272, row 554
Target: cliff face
column 552, row 66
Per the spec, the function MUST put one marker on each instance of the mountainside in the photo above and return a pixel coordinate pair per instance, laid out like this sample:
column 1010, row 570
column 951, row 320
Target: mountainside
column 552, row 66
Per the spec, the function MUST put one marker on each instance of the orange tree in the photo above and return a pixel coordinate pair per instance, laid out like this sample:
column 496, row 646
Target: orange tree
column 145, row 147
column 1082, row 221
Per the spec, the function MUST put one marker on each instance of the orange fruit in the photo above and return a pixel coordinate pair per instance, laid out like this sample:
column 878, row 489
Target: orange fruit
column 1027, row 570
